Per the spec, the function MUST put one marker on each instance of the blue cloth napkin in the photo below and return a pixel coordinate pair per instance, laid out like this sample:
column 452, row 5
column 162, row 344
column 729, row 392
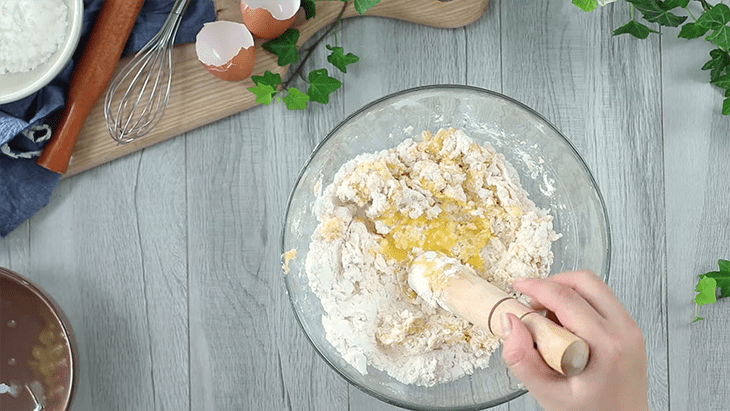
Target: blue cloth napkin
column 26, row 187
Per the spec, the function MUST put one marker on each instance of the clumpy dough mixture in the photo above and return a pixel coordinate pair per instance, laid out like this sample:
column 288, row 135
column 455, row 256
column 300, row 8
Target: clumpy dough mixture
column 445, row 193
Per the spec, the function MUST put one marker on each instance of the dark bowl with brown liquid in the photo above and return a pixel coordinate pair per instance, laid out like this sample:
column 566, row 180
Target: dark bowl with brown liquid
column 38, row 357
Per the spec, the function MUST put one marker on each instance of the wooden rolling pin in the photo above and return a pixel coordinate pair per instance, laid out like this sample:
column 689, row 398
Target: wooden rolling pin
column 90, row 78
column 442, row 280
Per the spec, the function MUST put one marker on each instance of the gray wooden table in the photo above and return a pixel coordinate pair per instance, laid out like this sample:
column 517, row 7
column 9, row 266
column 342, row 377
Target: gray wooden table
column 167, row 261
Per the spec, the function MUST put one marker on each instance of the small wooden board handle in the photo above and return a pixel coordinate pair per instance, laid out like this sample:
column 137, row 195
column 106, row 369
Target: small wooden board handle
column 473, row 298
column 441, row 14
column 90, row 78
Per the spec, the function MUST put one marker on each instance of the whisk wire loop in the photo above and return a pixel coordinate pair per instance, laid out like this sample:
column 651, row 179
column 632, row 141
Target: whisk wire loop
column 138, row 96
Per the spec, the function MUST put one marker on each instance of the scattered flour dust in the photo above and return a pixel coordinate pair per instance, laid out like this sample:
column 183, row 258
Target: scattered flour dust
column 30, row 32
column 445, row 193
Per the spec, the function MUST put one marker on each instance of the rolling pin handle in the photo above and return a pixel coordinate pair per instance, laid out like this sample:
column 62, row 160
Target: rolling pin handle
column 561, row 349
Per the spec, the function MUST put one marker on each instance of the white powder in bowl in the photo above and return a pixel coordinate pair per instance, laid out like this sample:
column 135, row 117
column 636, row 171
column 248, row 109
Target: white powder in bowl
column 30, row 32
column 445, row 193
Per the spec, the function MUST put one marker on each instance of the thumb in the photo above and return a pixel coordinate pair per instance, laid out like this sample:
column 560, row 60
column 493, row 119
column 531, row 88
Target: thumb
column 525, row 362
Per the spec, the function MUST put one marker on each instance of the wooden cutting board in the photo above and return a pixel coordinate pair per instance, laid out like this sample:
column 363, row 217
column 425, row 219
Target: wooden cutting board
column 197, row 98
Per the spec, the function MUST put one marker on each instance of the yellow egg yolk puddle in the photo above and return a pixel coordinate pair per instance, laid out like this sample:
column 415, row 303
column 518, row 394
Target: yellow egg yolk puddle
column 462, row 227
column 457, row 234
column 459, row 231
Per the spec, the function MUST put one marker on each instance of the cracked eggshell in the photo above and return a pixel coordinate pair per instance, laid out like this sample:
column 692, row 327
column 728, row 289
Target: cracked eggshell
column 226, row 49
column 267, row 19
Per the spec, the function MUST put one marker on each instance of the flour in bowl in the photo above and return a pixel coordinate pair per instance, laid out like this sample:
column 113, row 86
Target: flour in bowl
column 445, row 193
column 30, row 32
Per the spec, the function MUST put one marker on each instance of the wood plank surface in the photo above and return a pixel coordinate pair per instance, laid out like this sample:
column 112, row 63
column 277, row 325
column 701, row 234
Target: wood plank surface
column 104, row 275
column 696, row 145
column 571, row 69
column 247, row 351
column 166, row 261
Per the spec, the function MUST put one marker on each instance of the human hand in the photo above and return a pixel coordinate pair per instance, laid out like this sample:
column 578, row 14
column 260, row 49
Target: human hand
column 615, row 376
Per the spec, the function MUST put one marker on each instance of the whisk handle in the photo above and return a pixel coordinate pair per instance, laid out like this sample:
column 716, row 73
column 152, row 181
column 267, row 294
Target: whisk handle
column 90, row 78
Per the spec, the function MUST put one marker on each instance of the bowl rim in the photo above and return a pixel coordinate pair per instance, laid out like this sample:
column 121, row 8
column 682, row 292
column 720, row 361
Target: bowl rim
column 63, row 322
column 58, row 60
column 364, row 108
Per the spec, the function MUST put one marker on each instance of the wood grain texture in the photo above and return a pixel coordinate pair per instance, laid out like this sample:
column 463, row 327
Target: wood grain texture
column 698, row 217
column 484, row 49
column 603, row 93
column 197, row 98
column 160, row 204
column 247, row 351
column 14, row 250
column 96, row 249
column 108, row 272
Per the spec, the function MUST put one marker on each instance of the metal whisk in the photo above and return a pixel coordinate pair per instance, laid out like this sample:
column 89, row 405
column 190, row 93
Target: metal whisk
column 138, row 95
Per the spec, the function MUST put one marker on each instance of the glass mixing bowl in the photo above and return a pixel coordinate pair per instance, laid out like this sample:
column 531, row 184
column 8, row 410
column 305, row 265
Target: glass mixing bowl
column 550, row 170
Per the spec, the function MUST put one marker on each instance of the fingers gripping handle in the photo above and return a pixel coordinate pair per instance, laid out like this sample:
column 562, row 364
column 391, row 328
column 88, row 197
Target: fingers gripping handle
column 457, row 288
column 562, row 350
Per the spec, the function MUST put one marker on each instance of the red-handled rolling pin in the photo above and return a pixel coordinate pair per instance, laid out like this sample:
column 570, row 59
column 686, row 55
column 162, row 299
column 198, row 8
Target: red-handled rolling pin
column 90, row 78
column 442, row 280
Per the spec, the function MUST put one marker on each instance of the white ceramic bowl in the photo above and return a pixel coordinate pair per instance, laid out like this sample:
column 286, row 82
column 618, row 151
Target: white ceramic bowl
column 550, row 169
column 14, row 86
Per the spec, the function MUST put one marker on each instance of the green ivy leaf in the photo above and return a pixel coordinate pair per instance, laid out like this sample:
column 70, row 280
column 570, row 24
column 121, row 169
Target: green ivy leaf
column 719, row 60
column 673, row 4
column 727, row 92
column 722, row 82
column 653, row 12
column 586, row 5
column 714, row 18
column 717, row 73
column 710, row 281
column 706, row 291
column 264, row 93
column 634, row 28
column 339, row 59
column 284, row 46
column 295, row 99
column 724, row 265
column 309, row 8
column 722, row 278
column 692, row 31
column 269, row 78
column 321, row 85
column 361, row 6
column 720, row 37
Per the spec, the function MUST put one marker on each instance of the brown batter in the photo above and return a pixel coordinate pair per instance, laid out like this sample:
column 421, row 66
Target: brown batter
column 34, row 350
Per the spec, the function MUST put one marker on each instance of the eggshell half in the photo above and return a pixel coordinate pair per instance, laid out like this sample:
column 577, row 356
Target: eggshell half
column 267, row 19
column 226, row 49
